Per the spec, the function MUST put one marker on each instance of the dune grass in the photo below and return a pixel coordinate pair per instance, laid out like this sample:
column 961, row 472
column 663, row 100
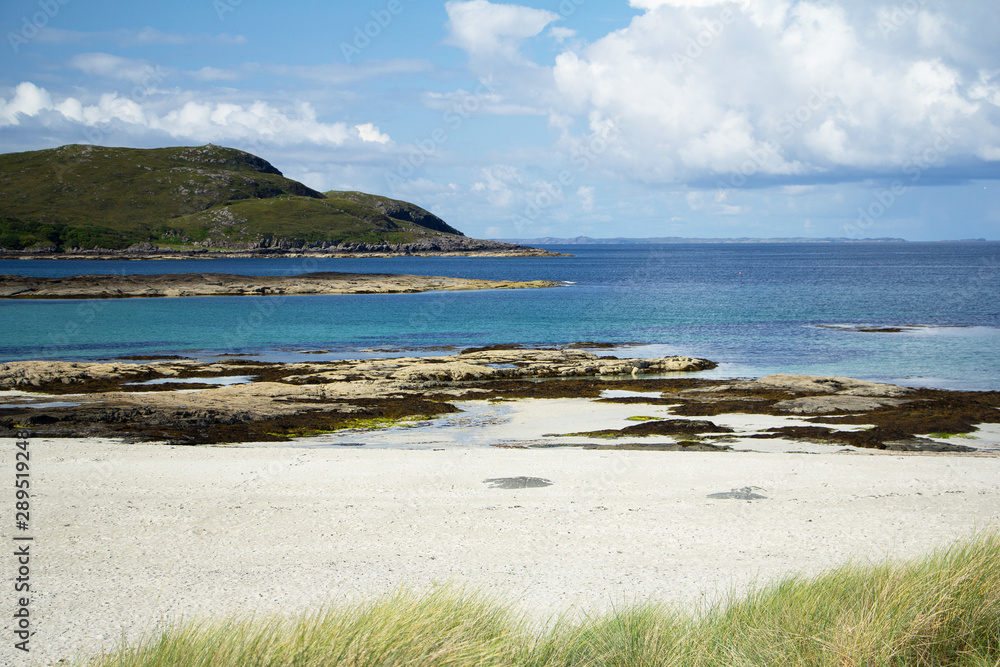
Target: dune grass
column 943, row 609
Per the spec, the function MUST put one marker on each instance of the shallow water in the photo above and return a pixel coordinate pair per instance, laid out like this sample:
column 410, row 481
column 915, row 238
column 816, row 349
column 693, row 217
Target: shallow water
column 754, row 308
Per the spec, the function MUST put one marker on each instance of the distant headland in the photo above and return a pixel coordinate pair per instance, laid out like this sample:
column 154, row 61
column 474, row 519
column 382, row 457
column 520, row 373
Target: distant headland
column 91, row 202
column 586, row 240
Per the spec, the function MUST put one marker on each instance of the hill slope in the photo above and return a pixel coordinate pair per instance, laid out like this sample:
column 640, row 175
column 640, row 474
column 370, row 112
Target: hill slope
column 90, row 198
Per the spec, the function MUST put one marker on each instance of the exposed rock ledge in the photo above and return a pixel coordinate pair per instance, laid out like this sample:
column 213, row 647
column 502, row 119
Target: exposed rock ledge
column 142, row 401
column 286, row 398
column 222, row 284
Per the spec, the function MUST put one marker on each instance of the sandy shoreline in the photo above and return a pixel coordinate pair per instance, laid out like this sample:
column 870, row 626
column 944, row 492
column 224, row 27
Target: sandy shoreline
column 129, row 534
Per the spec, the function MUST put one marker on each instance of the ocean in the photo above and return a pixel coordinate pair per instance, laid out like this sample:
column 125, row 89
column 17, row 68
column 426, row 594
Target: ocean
column 755, row 308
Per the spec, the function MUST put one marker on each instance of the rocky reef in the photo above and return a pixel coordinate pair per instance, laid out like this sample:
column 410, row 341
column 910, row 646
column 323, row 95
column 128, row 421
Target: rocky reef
column 222, row 284
column 238, row 400
column 141, row 401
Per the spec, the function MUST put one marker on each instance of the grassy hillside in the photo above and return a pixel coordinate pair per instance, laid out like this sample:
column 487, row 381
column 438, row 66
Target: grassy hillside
column 397, row 210
column 90, row 196
column 305, row 219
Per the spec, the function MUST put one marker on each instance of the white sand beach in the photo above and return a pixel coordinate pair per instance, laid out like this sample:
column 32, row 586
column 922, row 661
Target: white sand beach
column 127, row 536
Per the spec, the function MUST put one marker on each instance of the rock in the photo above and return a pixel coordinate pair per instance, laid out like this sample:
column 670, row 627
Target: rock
column 810, row 384
column 926, row 445
column 821, row 405
column 219, row 284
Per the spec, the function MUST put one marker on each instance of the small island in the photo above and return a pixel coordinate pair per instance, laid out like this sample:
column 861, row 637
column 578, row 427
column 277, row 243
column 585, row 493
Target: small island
column 224, row 284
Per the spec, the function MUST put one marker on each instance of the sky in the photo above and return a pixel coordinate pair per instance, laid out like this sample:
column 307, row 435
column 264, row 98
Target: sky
column 549, row 118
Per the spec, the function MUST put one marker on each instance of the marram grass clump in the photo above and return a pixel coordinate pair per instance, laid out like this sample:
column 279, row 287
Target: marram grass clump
column 941, row 610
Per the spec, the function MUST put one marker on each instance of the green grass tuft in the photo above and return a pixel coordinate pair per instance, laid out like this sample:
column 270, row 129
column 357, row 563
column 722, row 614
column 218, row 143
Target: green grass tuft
column 943, row 609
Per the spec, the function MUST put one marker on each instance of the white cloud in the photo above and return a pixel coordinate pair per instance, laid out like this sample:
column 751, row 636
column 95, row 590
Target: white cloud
column 702, row 88
column 214, row 74
column 986, row 88
column 488, row 30
column 498, row 184
column 586, row 195
column 200, row 120
column 484, row 100
column 326, row 73
column 337, row 73
column 132, row 38
column 371, row 134
column 28, row 99
column 561, row 34
column 654, row 4
column 109, row 66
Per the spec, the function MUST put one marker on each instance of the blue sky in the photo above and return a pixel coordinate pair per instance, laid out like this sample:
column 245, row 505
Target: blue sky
column 694, row 118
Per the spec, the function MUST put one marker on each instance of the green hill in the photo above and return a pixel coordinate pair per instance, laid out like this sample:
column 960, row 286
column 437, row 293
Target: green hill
column 78, row 198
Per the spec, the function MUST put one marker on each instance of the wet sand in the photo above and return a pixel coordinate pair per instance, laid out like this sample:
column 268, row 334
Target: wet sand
column 127, row 535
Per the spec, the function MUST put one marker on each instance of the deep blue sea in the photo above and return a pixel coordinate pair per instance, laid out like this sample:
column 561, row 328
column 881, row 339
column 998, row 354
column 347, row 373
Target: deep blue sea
column 754, row 308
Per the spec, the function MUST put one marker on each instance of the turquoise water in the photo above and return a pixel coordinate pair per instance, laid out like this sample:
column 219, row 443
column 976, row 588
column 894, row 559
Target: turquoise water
column 755, row 308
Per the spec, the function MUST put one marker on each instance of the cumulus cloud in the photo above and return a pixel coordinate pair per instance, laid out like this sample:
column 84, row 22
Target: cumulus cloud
column 488, row 30
column 788, row 90
column 200, row 120
column 28, row 100
column 701, row 88
column 371, row 134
